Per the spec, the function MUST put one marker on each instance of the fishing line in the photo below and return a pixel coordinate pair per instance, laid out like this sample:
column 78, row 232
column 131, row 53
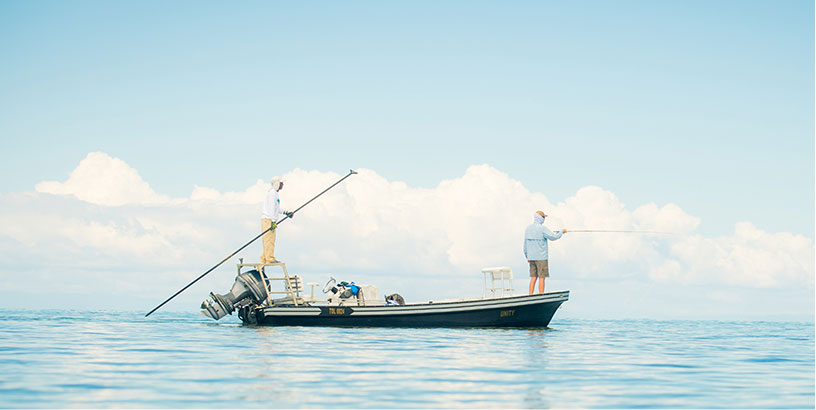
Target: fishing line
column 621, row 231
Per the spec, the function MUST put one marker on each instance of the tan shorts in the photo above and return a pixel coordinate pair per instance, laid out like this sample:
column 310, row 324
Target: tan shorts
column 539, row 269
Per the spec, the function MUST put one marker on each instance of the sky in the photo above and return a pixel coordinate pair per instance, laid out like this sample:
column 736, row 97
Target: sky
column 136, row 139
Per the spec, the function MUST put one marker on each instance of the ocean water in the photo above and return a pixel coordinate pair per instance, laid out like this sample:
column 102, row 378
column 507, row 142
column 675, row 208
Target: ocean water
column 182, row 360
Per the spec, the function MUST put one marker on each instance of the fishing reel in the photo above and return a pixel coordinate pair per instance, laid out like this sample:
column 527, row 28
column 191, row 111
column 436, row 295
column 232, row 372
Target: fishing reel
column 248, row 289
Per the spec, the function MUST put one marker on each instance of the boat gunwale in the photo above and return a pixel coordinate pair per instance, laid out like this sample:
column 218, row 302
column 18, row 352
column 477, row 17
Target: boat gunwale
column 429, row 307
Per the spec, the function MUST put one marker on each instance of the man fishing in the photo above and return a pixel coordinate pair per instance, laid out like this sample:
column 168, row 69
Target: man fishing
column 269, row 216
column 535, row 249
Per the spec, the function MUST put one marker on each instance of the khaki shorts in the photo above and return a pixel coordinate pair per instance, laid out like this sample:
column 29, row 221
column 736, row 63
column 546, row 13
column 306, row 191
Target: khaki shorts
column 539, row 269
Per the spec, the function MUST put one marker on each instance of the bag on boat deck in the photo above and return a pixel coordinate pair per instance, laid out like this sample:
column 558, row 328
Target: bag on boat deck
column 354, row 288
column 394, row 300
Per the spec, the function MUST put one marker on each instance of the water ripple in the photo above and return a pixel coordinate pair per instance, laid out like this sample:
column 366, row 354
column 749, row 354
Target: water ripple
column 120, row 359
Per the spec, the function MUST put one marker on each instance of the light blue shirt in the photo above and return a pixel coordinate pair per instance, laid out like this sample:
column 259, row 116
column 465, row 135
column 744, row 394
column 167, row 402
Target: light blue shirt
column 535, row 241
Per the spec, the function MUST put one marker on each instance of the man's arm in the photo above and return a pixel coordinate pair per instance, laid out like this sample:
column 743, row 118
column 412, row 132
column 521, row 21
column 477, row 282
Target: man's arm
column 548, row 234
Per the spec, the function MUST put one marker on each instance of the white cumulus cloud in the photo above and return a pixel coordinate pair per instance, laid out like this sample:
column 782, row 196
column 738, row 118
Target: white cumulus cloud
column 107, row 215
column 750, row 257
column 100, row 179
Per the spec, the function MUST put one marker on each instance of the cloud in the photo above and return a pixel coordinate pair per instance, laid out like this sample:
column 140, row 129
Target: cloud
column 100, row 179
column 105, row 215
column 252, row 195
column 750, row 257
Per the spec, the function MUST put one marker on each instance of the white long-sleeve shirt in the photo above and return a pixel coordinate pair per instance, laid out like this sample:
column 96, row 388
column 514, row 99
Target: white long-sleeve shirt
column 271, row 206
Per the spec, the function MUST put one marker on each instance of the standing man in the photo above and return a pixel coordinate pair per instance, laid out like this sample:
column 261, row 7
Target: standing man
column 269, row 216
column 535, row 249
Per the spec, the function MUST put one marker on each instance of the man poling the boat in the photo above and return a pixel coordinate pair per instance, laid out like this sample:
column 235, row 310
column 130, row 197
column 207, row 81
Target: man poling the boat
column 270, row 215
column 535, row 249
column 288, row 216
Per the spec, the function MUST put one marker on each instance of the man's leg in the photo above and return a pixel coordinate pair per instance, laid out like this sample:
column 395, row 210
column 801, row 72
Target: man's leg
column 268, row 239
column 533, row 275
column 543, row 273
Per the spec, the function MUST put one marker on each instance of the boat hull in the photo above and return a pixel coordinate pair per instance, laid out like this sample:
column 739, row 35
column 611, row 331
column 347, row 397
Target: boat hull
column 517, row 311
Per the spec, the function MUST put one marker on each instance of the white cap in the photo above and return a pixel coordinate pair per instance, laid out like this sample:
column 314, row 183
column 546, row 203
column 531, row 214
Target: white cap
column 276, row 182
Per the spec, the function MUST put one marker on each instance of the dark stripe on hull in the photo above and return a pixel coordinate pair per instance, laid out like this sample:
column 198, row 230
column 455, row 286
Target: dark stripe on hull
column 509, row 312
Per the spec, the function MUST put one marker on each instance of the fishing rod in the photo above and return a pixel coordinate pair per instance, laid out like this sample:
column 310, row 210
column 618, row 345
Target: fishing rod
column 620, row 231
column 274, row 225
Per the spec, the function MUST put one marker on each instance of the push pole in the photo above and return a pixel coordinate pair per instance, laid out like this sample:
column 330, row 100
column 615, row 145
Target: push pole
column 351, row 172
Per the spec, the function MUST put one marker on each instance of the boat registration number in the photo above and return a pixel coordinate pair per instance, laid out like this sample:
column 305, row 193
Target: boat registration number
column 506, row 313
column 337, row 311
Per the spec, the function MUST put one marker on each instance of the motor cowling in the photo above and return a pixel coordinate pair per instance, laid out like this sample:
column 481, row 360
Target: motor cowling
column 248, row 289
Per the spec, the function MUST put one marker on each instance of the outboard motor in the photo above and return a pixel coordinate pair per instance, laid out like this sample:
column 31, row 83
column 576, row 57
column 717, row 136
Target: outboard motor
column 248, row 289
